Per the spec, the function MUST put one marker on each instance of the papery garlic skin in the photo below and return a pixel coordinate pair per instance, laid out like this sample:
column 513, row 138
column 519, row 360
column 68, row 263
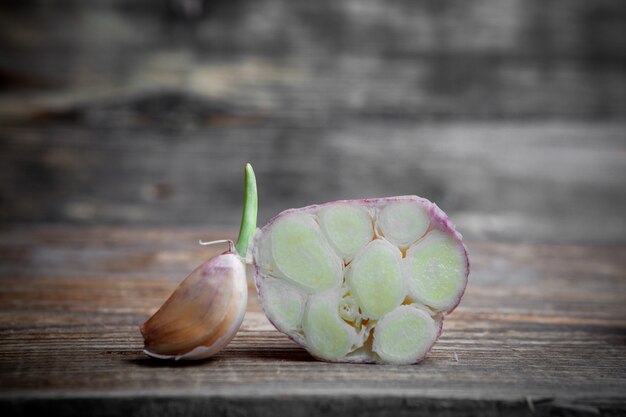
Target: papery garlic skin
column 203, row 314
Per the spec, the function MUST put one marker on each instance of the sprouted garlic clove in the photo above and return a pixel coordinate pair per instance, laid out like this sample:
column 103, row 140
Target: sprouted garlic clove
column 206, row 310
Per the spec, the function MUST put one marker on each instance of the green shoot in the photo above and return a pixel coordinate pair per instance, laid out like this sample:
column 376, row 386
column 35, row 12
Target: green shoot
column 248, row 217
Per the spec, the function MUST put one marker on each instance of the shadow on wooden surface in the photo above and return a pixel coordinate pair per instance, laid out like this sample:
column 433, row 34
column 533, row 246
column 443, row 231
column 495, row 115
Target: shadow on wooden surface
column 151, row 363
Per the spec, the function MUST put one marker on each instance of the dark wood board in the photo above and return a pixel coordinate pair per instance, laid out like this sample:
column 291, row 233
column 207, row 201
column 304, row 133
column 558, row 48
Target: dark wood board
column 541, row 331
column 324, row 59
column 542, row 181
column 508, row 113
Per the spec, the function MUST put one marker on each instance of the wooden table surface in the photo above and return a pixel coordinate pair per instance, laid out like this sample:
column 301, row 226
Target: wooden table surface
column 541, row 331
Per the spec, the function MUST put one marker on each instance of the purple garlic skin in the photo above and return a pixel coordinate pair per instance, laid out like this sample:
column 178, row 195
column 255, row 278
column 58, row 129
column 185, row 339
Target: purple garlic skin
column 362, row 281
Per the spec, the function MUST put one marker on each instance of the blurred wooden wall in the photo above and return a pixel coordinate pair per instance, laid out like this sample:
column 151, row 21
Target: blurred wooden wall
column 510, row 114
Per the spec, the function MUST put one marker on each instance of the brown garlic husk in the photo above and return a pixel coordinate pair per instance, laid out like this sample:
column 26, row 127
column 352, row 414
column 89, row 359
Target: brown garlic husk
column 203, row 314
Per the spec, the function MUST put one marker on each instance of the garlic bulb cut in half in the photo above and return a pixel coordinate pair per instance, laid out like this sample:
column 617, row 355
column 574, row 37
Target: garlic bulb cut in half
column 361, row 281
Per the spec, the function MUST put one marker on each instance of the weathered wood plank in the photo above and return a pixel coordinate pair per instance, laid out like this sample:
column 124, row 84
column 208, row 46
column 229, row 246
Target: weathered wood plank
column 131, row 111
column 542, row 327
column 550, row 181
column 303, row 60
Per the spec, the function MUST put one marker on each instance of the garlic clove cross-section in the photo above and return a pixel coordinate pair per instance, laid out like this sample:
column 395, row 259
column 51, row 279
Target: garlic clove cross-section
column 206, row 310
column 362, row 281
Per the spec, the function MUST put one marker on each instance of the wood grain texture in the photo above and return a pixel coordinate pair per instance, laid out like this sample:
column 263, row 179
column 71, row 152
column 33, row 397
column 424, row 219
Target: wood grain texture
column 508, row 113
column 327, row 59
column 551, row 182
column 541, row 331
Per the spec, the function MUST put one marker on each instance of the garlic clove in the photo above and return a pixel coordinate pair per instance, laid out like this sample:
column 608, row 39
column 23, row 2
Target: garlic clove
column 206, row 310
column 203, row 314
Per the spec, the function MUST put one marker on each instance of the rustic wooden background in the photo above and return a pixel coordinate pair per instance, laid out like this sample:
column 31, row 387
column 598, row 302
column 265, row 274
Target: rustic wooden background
column 124, row 128
column 510, row 114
